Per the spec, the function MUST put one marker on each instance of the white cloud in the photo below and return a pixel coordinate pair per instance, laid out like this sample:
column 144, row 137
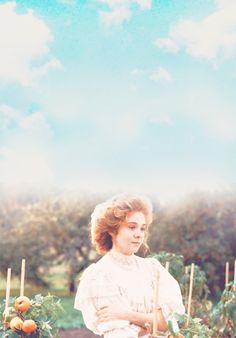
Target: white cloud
column 224, row 3
column 24, row 157
column 220, row 122
column 114, row 3
column 115, row 17
column 127, row 126
column 4, row 152
column 44, row 69
column 32, row 122
column 210, row 38
column 144, row 4
column 8, row 116
column 161, row 75
column 20, row 166
column 167, row 44
column 24, row 38
column 216, row 115
column 120, row 10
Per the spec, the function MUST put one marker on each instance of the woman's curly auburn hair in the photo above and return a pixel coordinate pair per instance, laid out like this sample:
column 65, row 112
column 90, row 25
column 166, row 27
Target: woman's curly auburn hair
column 108, row 216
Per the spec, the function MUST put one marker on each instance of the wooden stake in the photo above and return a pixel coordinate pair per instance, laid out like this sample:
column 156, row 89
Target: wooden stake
column 8, row 288
column 22, row 281
column 234, row 288
column 226, row 274
column 167, row 266
column 155, row 304
column 190, row 294
column 186, row 292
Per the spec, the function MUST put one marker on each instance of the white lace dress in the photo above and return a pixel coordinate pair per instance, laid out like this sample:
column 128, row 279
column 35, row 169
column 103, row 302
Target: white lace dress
column 127, row 280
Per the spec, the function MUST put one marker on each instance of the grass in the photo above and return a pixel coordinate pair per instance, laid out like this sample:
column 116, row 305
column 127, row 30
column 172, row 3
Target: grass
column 71, row 318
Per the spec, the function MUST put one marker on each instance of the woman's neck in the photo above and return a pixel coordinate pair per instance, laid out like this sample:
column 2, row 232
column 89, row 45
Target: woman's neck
column 118, row 251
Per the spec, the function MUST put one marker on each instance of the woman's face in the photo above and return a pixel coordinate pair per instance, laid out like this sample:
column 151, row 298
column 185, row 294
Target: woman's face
column 131, row 234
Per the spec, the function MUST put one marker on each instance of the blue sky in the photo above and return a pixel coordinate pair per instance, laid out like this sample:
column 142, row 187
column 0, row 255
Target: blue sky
column 118, row 95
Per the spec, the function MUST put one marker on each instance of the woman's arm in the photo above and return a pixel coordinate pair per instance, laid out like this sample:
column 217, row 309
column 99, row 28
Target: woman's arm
column 144, row 320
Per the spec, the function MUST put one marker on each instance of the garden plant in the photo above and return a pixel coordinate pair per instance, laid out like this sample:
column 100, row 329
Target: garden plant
column 206, row 320
column 223, row 316
column 33, row 318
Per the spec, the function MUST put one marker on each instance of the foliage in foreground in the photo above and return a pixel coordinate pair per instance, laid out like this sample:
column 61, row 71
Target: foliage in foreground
column 207, row 321
column 43, row 310
column 195, row 328
column 200, row 305
column 223, row 316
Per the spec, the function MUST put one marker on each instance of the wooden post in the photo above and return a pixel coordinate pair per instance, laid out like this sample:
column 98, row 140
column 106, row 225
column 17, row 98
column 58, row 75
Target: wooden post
column 234, row 288
column 167, row 266
column 226, row 274
column 155, row 304
column 22, row 281
column 8, row 288
column 186, row 291
column 190, row 294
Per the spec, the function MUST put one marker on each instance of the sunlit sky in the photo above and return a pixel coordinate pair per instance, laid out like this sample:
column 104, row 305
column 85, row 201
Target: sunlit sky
column 119, row 95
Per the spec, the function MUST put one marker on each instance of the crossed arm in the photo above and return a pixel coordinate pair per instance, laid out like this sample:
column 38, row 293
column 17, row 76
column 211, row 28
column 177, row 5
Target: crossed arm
column 143, row 320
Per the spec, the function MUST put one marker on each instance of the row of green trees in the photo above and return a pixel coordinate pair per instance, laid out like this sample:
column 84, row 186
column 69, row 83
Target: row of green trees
column 47, row 231
column 54, row 230
column 202, row 228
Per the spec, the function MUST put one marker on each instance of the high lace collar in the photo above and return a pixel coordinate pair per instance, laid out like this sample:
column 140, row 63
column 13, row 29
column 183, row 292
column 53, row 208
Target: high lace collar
column 124, row 261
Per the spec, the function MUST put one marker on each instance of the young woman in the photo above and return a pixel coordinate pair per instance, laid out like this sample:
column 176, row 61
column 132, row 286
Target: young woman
column 116, row 294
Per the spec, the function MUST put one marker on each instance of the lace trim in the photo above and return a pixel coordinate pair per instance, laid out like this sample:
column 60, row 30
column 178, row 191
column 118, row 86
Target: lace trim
column 125, row 262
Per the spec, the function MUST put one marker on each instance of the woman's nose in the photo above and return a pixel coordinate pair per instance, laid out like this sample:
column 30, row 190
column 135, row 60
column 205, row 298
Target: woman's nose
column 138, row 233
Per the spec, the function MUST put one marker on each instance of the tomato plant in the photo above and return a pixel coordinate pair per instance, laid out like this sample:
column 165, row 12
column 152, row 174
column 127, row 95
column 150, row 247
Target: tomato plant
column 195, row 328
column 223, row 316
column 38, row 321
column 200, row 305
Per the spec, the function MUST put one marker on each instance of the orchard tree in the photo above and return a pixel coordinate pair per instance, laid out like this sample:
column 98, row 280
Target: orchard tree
column 68, row 221
column 21, row 237
column 202, row 229
column 47, row 231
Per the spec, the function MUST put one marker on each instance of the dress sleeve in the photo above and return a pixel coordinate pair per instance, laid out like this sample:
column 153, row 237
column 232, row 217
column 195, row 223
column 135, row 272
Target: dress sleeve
column 94, row 291
column 170, row 297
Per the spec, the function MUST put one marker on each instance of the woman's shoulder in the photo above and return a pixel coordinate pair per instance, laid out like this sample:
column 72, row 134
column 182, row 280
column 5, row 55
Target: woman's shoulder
column 149, row 265
column 165, row 275
column 96, row 270
column 154, row 265
column 154, row 262
column 96, row 281
column 149, row 261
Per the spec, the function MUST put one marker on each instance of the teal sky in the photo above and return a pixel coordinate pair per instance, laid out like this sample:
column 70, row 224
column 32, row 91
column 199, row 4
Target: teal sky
column 118, row 95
